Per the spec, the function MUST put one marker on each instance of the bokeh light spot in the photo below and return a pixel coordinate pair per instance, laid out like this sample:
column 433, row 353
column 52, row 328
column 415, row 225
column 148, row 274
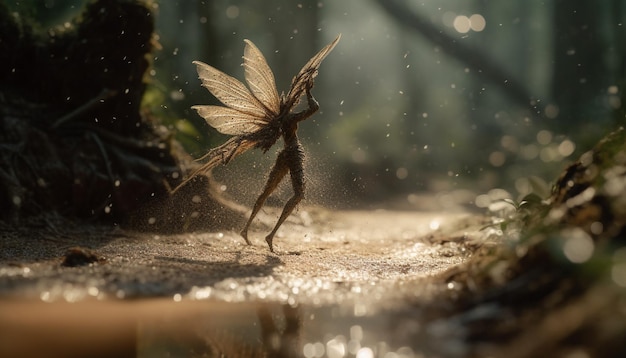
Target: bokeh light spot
column 477, row 22
column 462, row 24
column 578, row 246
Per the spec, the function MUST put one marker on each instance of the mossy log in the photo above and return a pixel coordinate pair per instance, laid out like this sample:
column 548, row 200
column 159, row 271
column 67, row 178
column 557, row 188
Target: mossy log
column 555, row 284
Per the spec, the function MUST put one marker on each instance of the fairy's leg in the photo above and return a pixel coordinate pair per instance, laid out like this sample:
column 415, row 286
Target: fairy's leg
column 295, row 157
column 276, row 175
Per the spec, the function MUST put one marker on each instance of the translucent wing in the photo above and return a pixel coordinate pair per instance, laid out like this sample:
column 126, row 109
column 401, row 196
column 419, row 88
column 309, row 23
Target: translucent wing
column 224, row 153
column 230, row 91
column 307, row 74
column 230, row 121
column 219, row 155
column 260, row 78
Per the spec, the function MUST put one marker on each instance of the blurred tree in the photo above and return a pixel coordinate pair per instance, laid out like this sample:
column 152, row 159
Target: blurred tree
column 589, row 66
column 476, row 60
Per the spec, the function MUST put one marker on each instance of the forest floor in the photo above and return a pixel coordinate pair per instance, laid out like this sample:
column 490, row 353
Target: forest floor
column 344, row 265
column 547, row 277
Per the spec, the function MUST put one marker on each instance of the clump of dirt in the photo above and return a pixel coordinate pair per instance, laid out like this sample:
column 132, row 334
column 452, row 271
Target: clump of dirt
column 80, row 256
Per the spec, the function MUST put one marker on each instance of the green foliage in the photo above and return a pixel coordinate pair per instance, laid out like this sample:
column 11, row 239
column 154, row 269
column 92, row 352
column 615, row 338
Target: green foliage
column 532, row 208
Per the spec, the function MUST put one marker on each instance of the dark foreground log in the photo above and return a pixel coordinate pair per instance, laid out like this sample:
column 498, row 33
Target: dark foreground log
column 73, row 138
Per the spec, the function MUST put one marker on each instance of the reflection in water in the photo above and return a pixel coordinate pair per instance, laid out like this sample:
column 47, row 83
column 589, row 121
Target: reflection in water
column 270, row 330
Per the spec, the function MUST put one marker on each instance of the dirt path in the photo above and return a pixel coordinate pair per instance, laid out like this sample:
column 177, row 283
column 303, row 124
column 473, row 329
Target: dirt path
column 321, row 257
column 336, row 278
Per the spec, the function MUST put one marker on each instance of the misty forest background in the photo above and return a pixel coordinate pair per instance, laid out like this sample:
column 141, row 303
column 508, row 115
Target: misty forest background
column 446, row 97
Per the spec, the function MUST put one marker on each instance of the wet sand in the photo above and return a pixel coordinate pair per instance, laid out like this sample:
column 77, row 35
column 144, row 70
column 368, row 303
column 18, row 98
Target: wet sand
column 348, row 266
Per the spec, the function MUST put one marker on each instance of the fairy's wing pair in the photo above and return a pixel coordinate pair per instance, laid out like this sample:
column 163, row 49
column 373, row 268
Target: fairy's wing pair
column 247, row 110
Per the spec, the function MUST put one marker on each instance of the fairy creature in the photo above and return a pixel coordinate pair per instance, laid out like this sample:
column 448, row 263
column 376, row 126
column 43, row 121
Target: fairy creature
column 256, row 118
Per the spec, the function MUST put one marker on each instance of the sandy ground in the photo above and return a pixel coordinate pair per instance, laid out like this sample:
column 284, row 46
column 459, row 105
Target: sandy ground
column 335, row 267
column 321, row 256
